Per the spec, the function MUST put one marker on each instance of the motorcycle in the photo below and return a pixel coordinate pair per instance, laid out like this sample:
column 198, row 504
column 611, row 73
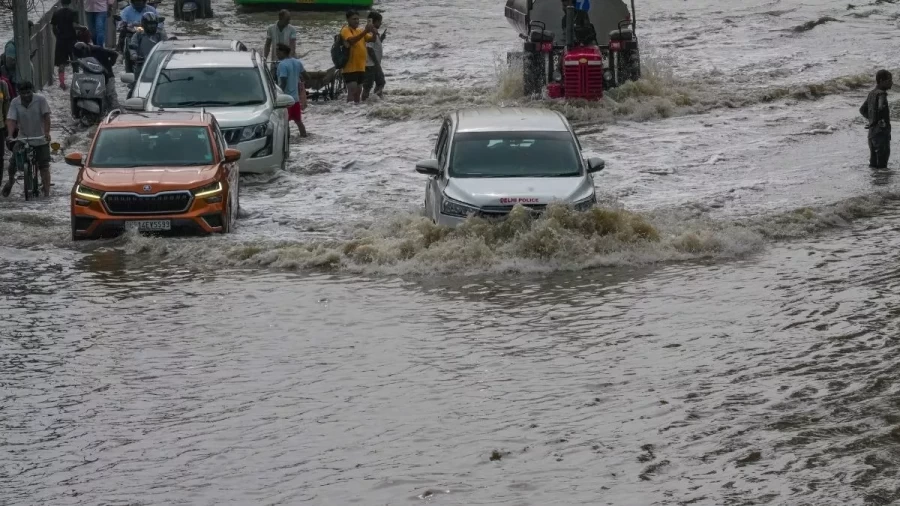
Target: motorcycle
column 87, row 95
column 126, row 32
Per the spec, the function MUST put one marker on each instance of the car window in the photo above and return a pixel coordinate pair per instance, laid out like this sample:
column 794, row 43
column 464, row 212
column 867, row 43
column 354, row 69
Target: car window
column 270, row 82
column 152, row 146
column 220, row 139
column 209, row 87
column 515, row 154
column 152, row 65
column 440, row 147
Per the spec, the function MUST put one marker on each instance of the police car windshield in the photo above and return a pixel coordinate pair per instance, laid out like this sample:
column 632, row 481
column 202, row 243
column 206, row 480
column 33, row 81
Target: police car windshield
column 515, row 154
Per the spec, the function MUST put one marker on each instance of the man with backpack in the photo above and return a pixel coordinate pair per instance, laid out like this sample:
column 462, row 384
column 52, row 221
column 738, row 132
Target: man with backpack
column 374, row 73
column 349, row 54
column 878, row 120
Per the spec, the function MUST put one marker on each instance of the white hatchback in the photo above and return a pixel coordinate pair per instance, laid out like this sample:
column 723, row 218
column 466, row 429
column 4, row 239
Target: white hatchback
column 487, row 161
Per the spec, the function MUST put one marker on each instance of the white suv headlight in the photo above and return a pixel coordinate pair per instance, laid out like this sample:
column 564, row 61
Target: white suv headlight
column 258, row 131
column 452, row 207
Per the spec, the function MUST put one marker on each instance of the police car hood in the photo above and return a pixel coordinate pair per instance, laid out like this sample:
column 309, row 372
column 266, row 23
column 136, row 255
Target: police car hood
column 504, row 191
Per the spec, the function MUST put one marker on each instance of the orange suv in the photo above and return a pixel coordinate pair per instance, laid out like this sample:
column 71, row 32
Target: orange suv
column 155, row 172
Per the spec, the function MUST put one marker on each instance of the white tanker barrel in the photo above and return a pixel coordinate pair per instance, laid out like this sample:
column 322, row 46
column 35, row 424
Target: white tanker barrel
column 605, row 16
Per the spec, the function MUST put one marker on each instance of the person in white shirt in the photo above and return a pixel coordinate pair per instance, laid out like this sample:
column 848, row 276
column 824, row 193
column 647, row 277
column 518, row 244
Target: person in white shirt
column 281, row 32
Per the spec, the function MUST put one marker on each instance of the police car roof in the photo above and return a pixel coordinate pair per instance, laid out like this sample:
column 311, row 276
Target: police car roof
column 510, row 119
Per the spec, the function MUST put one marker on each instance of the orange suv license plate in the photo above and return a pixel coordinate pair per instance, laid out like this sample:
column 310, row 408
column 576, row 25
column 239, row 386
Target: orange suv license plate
column 149, row 226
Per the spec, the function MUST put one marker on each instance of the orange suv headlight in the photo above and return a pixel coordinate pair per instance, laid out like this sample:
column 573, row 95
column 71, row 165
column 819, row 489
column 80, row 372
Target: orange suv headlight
column 209, row 192
column 88, row 193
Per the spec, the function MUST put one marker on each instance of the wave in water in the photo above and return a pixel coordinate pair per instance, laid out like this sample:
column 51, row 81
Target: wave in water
column 560, row 240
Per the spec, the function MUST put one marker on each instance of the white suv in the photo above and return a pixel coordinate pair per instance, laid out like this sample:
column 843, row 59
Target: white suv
column 237, row 89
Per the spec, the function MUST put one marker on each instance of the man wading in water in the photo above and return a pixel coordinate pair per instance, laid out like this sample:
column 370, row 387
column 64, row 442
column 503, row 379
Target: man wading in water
column 878, row 114
column 355, row 39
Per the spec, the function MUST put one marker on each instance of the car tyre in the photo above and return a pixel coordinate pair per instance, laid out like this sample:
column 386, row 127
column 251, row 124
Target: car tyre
column 76, row 237
column 226, row 219
column 286, row 154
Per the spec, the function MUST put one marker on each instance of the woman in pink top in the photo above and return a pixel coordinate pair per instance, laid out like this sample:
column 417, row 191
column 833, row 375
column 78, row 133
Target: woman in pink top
column 96, row 12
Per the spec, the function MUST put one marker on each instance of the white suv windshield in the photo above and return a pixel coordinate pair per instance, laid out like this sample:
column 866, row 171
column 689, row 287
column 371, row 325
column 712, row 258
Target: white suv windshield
column 209, row 87
column 515, row 154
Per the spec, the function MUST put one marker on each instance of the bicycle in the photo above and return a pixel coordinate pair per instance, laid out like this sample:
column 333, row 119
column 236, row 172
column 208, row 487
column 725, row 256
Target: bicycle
column 25, row 159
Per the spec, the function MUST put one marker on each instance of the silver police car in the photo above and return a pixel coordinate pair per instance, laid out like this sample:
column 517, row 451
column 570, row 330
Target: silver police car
column 486, row 161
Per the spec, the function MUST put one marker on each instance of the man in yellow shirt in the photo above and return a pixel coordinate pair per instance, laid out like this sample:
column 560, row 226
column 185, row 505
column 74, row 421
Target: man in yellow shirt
column 355, row 39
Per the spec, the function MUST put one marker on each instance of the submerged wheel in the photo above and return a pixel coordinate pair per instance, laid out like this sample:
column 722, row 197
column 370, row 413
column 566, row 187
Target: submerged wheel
column 28, row 182
column 226, row 220
column 76, row 237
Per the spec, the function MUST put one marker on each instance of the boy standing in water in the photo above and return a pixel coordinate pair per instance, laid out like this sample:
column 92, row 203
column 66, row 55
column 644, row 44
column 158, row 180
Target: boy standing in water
column 290, row 73
column 63, row 22
column 374, row 73
column 878, row 115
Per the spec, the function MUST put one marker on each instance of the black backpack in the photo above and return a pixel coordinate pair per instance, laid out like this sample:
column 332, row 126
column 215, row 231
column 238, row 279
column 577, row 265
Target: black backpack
column 340, row 54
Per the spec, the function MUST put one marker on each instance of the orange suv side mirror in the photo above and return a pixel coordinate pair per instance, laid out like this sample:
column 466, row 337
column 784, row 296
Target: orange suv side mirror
column 232, row 155
column 75, row 159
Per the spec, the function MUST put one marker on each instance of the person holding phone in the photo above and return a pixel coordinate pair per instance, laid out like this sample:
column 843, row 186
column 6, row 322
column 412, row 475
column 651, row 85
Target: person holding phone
column 374, row 73
column 355, row 39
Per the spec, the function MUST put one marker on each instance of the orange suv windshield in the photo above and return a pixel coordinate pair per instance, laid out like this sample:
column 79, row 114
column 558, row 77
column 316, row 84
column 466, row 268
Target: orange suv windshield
column 152, row 146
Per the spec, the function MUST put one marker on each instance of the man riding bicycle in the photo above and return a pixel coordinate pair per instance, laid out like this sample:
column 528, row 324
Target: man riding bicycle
column 29, row 115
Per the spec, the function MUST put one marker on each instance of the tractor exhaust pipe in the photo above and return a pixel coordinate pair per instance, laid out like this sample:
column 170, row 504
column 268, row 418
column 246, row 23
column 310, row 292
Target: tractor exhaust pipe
column 633, row 19
column 570, row 25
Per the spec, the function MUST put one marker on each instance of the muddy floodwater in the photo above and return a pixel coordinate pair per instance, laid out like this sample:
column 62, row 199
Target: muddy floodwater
column 722, row 330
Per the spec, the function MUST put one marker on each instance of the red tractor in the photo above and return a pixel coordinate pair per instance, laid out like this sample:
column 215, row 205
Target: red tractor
column 576, row 64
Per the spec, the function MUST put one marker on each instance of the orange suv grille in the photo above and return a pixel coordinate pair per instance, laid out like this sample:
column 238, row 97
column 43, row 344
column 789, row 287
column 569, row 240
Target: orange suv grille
column 161, row 203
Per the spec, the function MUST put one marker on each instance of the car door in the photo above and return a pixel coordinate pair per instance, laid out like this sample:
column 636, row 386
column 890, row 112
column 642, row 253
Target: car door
column 232, row 168
column 278, row 117
column 436, row 184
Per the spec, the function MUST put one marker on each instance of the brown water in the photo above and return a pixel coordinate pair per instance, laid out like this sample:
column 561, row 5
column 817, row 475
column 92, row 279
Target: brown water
column 723, row 333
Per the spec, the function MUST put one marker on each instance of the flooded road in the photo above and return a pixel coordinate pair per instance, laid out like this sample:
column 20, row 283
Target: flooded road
column 722, row 331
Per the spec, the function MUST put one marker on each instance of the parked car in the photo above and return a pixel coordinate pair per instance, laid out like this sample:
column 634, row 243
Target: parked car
column 157, row 172
column 141, row 83
column 238, row 90
column 486, row 161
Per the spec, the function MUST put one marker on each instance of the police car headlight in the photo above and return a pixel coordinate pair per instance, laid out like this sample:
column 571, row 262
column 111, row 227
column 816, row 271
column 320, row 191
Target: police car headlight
column 452, row 207
column 585, row 204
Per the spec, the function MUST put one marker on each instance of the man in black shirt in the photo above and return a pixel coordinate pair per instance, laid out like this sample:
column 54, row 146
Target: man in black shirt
column 878, row 117
column 64, row 28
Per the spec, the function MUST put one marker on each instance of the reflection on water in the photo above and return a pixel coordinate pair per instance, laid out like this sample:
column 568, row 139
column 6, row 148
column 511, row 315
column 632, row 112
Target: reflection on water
column 764, row 380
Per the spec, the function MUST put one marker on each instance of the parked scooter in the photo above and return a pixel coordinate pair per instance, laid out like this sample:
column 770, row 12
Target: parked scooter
column 87, row 94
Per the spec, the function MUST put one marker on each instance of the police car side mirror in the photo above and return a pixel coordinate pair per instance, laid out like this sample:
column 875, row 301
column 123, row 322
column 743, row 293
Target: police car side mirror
column 429, row 167
column 596, row 164
column 127, row 78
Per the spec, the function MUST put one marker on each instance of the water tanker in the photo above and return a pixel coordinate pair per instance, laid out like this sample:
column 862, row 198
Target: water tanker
column 575, row 49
